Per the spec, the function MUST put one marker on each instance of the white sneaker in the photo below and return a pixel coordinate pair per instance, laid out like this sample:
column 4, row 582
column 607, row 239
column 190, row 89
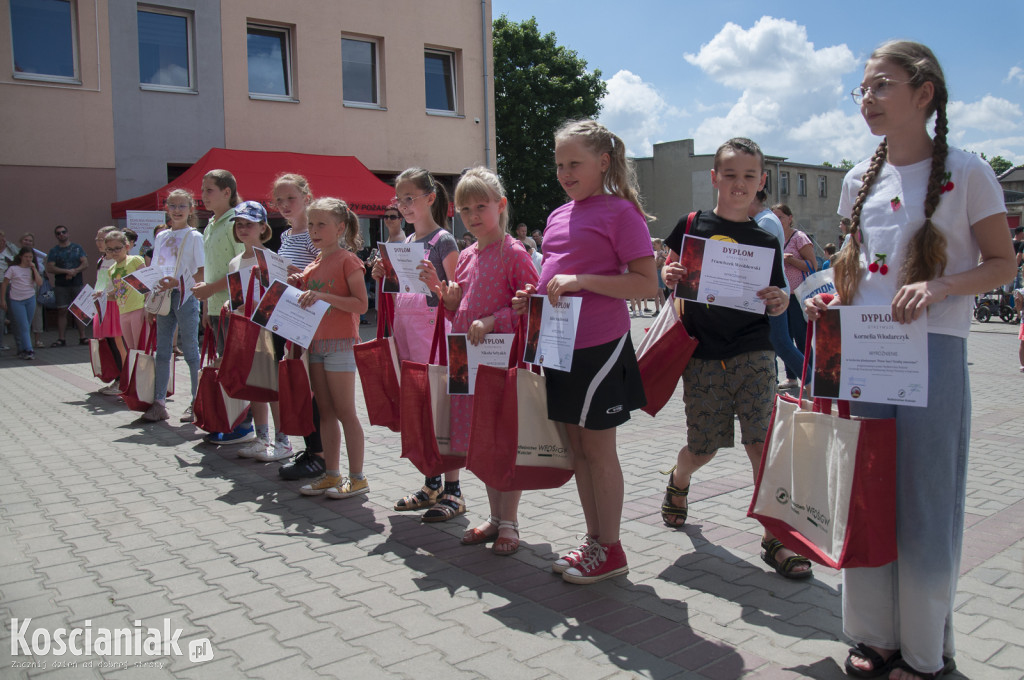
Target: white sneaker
column 281, row 449
column 111, row 390
column 256, row 448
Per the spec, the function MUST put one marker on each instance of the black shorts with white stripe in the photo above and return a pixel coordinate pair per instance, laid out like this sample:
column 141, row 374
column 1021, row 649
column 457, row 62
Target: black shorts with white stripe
column 601, row 389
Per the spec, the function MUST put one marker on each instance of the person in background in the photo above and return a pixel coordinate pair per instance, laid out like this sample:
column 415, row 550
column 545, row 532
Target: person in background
column 830, row 253
column 535, row 256
column 8, row 251
column 65, row 262
column 798, row 254
column 28, row 240
column 538, row 237
column 21, row 279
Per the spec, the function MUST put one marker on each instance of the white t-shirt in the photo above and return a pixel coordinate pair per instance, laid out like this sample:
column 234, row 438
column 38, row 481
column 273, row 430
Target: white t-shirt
column 894, row 212
column 168, row 241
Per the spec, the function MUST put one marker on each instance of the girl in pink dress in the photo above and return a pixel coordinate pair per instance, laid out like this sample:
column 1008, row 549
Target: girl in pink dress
column 478, row 301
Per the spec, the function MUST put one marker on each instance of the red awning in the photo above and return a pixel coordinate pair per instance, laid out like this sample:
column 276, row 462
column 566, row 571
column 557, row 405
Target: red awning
column 343, row 177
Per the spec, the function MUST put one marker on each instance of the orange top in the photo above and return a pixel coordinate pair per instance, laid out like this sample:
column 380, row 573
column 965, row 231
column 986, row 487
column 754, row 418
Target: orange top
column 330, row 275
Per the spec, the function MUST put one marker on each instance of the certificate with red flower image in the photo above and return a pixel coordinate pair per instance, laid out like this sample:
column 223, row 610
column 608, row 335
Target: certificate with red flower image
column 724, row 273
column 862, row 354
column 465, row 358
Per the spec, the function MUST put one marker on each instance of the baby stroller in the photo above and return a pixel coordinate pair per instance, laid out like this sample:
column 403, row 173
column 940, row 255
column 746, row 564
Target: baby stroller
column 995, row 303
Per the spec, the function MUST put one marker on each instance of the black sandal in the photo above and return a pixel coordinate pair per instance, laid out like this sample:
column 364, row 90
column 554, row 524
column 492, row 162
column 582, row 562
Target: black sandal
column 669, row 510
column 59, row 343
column 785, row 568
column 949, row 665
column 879, row 666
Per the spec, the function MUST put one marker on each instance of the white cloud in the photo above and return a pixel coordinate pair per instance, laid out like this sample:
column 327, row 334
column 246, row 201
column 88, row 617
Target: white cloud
column 990, row 114
column 790, row 91
column 635, row 111
column 1016, row 73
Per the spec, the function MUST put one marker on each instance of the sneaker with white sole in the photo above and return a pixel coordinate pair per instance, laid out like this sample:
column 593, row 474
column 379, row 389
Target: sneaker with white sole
column 255, row 449
column 240, row 435
column 111, row 390
column 349, row 488
column 574, row 556
column 188, row 416
column 279, row 450
column 321, row 484
column 604, row 561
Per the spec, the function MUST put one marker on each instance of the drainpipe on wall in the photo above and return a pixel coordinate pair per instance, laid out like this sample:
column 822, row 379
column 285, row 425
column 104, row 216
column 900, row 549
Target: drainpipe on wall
column 483, row 43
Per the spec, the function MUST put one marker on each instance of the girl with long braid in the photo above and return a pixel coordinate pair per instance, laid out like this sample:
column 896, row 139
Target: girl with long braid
column 922, row 216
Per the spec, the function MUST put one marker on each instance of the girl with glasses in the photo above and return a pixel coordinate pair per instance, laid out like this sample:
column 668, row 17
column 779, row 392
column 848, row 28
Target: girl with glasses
column 928, row 231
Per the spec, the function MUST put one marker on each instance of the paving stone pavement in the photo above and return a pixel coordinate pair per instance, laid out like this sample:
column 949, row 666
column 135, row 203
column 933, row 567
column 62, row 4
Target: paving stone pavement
column 109, row 520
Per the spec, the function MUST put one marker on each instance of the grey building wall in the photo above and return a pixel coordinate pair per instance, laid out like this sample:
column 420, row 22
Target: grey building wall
column 674, row 181
column 154, row 128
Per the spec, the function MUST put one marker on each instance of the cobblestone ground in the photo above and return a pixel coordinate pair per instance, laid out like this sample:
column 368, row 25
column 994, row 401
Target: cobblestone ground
column 107, row 519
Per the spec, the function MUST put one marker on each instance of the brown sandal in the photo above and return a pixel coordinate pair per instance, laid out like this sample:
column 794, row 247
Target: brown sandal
column 448, row 506
column 424, row 498
column 476, row 536
column 505, row 546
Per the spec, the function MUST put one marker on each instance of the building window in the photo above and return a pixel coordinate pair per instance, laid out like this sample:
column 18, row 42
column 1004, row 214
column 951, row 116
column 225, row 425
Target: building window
column 43, row 39
column 270, row 64
column 801, row 184
column 783, row 184
column 439, row 72
column 359, row 74
column 768, row 182
column 165, row 49
column 822, row 186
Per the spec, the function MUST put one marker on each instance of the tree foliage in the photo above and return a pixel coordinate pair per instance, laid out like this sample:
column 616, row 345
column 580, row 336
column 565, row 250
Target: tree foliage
column 538, row 85
column 844, row 164
column 998, row 163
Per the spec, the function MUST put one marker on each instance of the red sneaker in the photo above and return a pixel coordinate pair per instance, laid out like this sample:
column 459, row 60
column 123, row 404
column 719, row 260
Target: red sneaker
column 574, row 556
column 603, row 561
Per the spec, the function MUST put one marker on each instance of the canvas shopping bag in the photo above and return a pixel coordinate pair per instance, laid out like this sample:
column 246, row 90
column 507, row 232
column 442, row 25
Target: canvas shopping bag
column 105, row 364
column 826, row 486
column 379, row 370
column 248, row 369
column 426, row 410
column 295, row 395
column 512, row 443
column 138, row 376
column 214, row 410
column 663, row 355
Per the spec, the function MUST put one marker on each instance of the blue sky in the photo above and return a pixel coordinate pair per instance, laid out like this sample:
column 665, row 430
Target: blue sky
column 781, row 73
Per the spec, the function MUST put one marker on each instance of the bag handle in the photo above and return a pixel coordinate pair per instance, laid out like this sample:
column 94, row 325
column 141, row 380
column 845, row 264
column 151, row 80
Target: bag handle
column 209, row 348
column 821, row 404
column 385, row 313
column 151, row 339
column 250, row 302
column 439, row 344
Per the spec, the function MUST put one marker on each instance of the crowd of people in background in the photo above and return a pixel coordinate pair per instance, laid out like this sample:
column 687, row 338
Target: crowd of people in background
column 598, row 247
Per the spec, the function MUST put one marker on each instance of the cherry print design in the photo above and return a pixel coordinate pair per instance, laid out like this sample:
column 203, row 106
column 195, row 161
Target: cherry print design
column 879, row 265
column 947, row 183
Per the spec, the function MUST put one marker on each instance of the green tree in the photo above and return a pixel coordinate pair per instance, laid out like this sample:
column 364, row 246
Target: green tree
column 844, row 164
column 538, row 85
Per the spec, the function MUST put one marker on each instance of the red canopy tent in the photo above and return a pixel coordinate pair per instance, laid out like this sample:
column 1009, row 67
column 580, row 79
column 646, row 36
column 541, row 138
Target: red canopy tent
column 344, row 177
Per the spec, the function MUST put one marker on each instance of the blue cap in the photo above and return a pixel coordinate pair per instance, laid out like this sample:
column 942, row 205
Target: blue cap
column 250, row 210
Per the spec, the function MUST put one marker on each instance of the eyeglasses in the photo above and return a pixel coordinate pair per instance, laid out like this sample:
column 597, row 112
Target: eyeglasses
column 115, row 250
column 880, row 90
column 409, row 200
column 392, row 217
column 178, row 207
column 61, row 233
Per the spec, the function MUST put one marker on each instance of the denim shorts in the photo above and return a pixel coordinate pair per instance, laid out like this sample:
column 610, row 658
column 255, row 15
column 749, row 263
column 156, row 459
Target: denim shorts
column 335, row 355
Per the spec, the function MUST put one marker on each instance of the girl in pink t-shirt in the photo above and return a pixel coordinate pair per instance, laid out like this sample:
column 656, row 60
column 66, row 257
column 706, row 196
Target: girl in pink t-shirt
column 596, row 247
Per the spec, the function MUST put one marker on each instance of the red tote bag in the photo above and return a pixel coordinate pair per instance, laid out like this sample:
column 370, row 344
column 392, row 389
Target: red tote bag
column 106, row 365
column 426, row 410
column 663, row 355
column 296, row 397
column 512, row 443
column 665, row 351
column 379, row 370
column 248, row 369
column 826, row 486
column 214, row 410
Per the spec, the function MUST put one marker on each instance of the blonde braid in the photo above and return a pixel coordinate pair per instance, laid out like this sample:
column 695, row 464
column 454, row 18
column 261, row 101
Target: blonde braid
column 847, row 264
column 926, row 253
